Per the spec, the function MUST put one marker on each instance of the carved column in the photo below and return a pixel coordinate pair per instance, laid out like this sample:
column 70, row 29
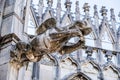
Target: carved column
column 27, row 15
column 11, row 32
column 13, row 18
column 103, row 14
column 6, row 43
column 35, row 74
column 77, row 17
column 57, row 66
column 97, row 40
column 2, row 4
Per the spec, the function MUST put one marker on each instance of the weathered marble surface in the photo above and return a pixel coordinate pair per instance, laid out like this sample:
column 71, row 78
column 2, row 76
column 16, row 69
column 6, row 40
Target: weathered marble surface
column 83, row 65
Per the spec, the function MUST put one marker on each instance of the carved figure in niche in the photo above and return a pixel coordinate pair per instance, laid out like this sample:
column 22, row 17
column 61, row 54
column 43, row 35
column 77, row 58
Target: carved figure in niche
column 51, row 39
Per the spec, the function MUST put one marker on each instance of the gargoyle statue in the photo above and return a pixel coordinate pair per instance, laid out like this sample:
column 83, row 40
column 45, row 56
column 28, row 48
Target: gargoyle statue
column 52, row 39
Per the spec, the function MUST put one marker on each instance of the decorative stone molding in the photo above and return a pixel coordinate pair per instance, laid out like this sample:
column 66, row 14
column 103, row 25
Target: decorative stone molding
column 8, row 38
column 77, row 76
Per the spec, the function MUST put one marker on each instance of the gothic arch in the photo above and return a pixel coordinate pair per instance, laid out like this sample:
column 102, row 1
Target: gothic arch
column 77, row 76
column 113, row 70
column 48, row 60
column 94, row 64
column 72, row 60
column 91, row 68
column 67, row 66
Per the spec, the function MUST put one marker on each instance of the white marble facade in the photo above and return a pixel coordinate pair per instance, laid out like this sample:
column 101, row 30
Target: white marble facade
column 99, row 61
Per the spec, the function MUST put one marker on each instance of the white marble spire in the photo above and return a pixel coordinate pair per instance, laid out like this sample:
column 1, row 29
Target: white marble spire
column 86, row 8
column 103, row 12
column 49, row 2
column 77, row 11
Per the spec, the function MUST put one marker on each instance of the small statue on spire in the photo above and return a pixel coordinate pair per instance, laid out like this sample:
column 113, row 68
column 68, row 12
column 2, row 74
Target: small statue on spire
column 103, row 11
column 77, row 6
column 77, row 11
column 95, row 11
column 109, row 56
column 50, row 2
column 86, row 7
column 58, row 3
column 68, row 5
column 112, row 14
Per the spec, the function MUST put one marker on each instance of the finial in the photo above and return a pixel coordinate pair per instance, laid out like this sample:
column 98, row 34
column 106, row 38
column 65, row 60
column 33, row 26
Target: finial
column 77, row 11
column 109, row 56
column 59, row 3
column 86, row 10
column 68, row 5
column 112, row 14
column 50, row 2
column 95, row 11
column 86, row 7
column 77, row 6
column 89, row 51
column 103, row 11
column 119, row 15
column 41, row 4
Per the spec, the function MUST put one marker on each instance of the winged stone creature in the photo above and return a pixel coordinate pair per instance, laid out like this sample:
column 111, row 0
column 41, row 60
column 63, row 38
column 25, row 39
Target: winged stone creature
column 51, row 39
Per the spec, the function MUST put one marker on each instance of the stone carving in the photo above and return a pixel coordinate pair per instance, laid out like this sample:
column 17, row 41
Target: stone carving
column 51, row 39
column 79, row 77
